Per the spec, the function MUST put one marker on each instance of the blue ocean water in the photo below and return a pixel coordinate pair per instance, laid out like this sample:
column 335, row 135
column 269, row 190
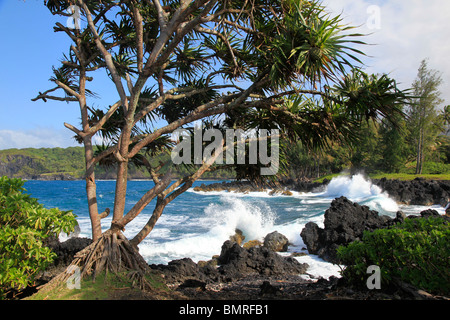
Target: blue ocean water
column 196, row 224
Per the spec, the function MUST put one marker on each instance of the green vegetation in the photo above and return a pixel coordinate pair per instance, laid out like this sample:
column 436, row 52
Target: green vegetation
column 47, row 163
column 24, row 225
column 415, row 252
column 423, row 118
column 381, row 151
column 414, row 141
column 26, row 163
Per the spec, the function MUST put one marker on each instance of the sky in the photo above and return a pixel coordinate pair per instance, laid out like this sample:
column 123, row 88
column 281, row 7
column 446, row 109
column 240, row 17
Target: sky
column 400, row 33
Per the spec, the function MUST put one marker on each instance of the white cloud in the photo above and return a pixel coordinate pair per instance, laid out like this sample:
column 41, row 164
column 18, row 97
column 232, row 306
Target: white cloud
column 36, row 138
column 409, row 32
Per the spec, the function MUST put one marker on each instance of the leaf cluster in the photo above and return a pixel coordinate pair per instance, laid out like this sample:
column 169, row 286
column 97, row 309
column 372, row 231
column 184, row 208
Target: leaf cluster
column 260, row 64
column 24, row 225
column 279, row 47
column 416, row 251
column 307, row 44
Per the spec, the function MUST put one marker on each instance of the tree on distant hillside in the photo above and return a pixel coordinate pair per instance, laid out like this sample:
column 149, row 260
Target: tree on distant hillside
column 250, row 65
column 446, row 118
column 393, row 146
column 424, row 121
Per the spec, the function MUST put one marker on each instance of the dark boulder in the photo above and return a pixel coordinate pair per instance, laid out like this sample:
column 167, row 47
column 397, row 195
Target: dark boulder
column 236, row 262
column 429, row 213
column 65, row 251
column 312, row 237
column 185, row 271
column 344, row 223
column 277, row 242
column 416, row 192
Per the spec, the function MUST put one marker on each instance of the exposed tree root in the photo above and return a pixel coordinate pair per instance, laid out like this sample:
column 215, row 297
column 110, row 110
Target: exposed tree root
column 112, row 252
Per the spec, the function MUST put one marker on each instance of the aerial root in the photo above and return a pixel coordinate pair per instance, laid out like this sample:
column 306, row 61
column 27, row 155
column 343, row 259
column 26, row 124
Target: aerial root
column 112, row 252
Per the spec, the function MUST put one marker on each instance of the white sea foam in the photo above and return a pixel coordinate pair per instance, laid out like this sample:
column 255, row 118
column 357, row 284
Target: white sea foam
column 318, row 268
column 358, row 189
column 198, row 228
column 219, row 221
column 415, row 210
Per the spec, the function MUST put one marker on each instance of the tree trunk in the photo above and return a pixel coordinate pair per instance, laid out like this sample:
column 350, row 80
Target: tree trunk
column 420, row 157
column 121, row 190
column 159, row 208
column 422, row 150
column 318, row 166
column 91, row 188
column 91, row 191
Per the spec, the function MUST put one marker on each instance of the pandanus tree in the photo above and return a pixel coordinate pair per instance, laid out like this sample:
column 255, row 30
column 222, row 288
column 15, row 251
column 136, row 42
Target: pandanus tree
column 264, row 64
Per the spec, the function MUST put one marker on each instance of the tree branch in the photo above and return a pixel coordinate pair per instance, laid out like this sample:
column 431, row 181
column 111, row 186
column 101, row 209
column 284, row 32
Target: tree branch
column 75, row 130
column 144, row 201
column 195, row 115
column 44, row 96
column 162, row 18
column 105, row 213
column 105, row 118
column 224, row 39
column 170, row 95
column 139, row 37
column 66, row 30
column 158, row 53
column 107, row 56
column 162, row 203
column 68, row 89
column 200, row 112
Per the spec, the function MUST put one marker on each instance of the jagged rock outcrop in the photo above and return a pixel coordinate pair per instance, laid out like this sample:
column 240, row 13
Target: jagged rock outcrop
column 234, row 262
column 344, row 222
column 417, row 192
column 283, row 187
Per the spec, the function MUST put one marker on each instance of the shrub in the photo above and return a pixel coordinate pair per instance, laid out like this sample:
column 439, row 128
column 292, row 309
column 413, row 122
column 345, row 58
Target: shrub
column 24, row 225
column 416, row 251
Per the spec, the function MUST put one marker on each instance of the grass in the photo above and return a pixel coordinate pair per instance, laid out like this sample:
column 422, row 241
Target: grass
column 106, row 287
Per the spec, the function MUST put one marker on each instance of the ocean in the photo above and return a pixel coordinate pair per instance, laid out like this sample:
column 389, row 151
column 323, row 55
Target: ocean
column 196, row 224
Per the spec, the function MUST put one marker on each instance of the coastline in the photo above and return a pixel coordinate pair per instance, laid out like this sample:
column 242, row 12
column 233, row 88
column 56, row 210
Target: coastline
column 278, row 286
column 255, row 273
column 419, row 191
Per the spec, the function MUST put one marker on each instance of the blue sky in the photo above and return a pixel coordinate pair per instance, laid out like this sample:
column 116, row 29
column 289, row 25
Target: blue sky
column 409, row 31
column 29, row 49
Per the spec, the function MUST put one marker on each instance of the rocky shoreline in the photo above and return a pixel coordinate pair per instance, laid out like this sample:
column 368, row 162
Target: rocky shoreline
column 258, row 271
column 346, row 222
column 415, row 192
column 261, row 273
column 255, row 270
